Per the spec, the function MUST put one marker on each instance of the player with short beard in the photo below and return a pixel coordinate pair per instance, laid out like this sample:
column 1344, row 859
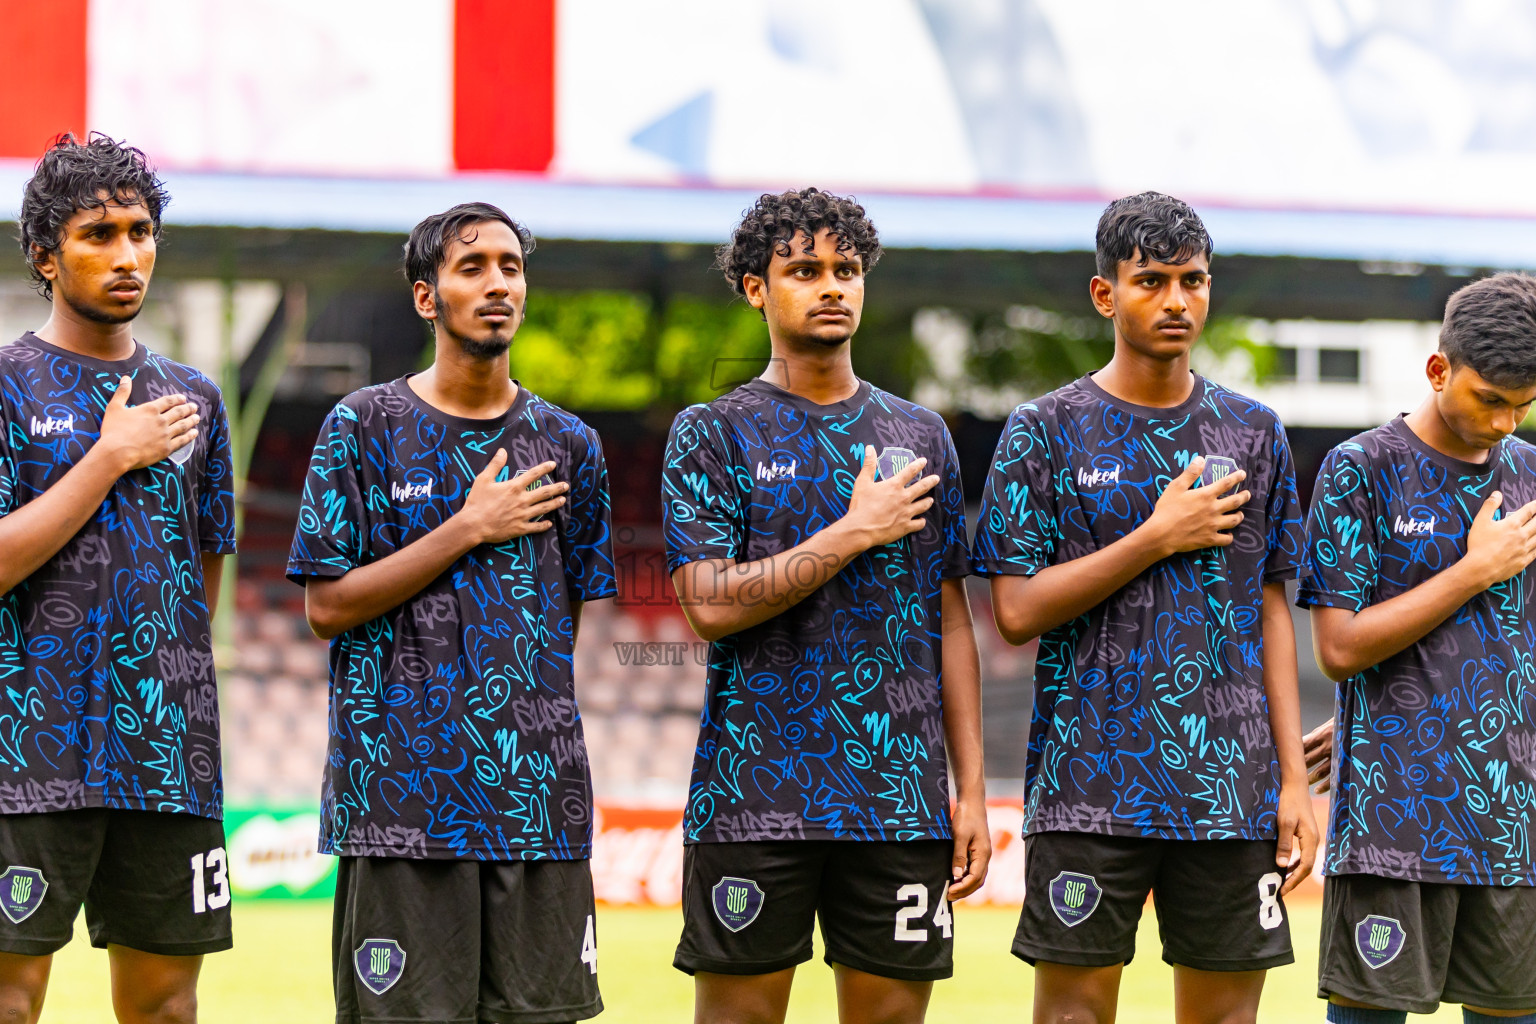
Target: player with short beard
column 1165, row 747
column 1418, row 547
column 452, row 525
column 116, row 513
column 815, row 530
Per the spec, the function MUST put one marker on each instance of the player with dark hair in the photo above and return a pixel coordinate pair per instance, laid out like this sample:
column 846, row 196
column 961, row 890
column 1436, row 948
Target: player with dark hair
column 815, row 531
column 453, row 524
column 1419, row 540
column 116, row 512
column 1142, row 522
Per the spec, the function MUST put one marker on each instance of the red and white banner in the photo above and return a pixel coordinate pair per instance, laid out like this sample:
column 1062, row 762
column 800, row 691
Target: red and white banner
column 638, row 856
column 1409, row 102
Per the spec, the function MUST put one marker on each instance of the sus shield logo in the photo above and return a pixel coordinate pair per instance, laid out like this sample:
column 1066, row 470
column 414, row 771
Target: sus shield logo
column 379, row 963
column 737, row 902
column 1217, row 467
column 892, row 461
column 1379, row 940
column 21, row 892
column 1074, row 897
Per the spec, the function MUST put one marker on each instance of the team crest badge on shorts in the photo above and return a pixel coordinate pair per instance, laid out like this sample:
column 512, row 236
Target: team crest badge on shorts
column 1379, row 940
column 1217, row 467
column 379, row 963
column 891, row 461
column 21, row 892
column 1074, row 897
column 737, row 902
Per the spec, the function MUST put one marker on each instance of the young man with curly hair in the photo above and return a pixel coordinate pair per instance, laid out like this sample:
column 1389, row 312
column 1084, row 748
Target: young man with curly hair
column 1142, row 522
column 1419, row 544
column 815, row 532
column 453, row 523
column 116, row 513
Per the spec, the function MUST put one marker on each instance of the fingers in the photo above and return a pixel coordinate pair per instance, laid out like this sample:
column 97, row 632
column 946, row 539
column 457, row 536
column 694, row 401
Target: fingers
column 1490, row 505
column 968, row 868
column 1524, row 513
column 548, row 505
column 1232, row 502
column 1287, row 830
column 1227, row 482
column 181, row 440
column 1303, row 859
column 867, row 468
column 178, row 415
column 528, row 476
column 166, row 403
column 910, row 472
column 121, row 394
column 923, row 486
column 493, row 467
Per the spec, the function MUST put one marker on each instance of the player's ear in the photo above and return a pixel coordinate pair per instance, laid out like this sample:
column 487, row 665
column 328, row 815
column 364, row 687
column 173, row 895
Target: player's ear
column 46, row 262
column 1438, row 370
column 1102, row 291
column 426, row 301
column 755, row 290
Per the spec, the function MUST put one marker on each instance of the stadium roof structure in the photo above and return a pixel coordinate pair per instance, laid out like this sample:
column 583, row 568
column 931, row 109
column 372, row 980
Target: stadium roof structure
column 977, row 249
column 702, row 214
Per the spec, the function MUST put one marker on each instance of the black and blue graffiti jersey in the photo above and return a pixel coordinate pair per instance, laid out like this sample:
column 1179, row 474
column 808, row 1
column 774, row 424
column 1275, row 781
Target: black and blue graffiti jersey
column 1150, row 717
column 824, row 721
column 453, row 720
column 106, row 665
column 1435, row 778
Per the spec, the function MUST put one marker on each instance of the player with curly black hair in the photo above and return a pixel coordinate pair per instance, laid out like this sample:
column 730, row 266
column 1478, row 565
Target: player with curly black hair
column 828, row 575
column 116, row 513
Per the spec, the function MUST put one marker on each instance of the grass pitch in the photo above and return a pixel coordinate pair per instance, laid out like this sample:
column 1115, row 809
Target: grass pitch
column 279, row 970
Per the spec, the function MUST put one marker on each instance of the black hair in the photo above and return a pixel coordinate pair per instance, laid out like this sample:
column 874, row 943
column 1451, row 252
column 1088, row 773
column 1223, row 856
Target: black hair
column 1490, row 325
column 774, row 220
column 428, row 244
column 74, row 176
column 1156, row 226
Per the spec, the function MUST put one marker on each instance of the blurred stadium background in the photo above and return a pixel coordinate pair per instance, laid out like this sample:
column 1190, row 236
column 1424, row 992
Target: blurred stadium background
column 1355, row 161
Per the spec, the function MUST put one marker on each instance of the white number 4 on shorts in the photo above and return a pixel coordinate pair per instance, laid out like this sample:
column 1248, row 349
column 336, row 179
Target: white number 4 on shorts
column 942, row 919
column 589, row 946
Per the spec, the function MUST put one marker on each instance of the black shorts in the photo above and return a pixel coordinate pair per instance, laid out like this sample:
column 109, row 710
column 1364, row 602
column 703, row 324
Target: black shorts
column 1218, row 901
column 463, row 941
column 1413, row 945
column 153, row 881
column 749, row 908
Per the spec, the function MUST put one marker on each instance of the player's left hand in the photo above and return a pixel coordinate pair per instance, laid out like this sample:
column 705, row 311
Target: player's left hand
column 1297, row 847
column 973, row 849
column 1317, row 749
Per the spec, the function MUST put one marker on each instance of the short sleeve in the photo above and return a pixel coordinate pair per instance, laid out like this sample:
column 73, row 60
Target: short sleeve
column 1282, row 514
column 216, row 490
column 330, row 538
column 1018, row 529
column 701, row 509
column 7, row 467
column 586, row 533
column 951, row 502
column 1339, row 568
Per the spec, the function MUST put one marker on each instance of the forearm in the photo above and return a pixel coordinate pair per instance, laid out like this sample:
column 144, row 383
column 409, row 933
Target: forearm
column 334, row 606
column 38, row 530
column 1349, row 643
column 961, row 695
column 720, row 597
column 1280, row 685
column 1027, row 607
column 213, row 575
